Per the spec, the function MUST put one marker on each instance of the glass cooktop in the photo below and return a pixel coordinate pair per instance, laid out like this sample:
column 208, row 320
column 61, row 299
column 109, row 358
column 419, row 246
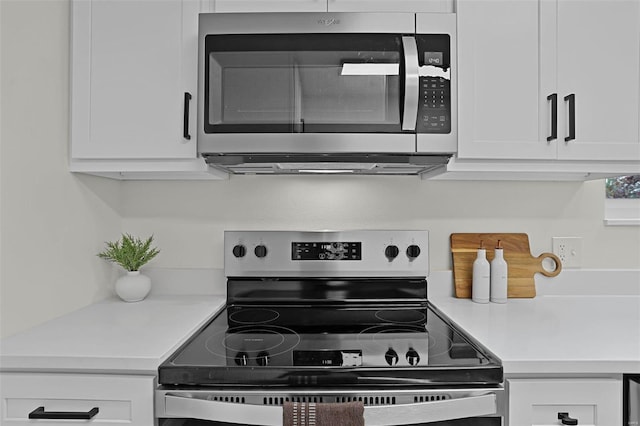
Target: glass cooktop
column 379, row 345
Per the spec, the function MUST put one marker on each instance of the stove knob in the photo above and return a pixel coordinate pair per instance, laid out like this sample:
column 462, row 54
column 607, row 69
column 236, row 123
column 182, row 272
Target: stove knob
column 263, row 358
column 242, row 358
column 413, row 251
column 239, row 250
column 260, row 251
column 412, row 357
column 391, row 252
column 391, row 356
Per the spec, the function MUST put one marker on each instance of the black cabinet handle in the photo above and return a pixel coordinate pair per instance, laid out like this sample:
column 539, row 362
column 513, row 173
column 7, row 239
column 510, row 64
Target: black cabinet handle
column 554, row 116
column 572, row 117
column 185, row 128
column 39, row 413
column 566, row 420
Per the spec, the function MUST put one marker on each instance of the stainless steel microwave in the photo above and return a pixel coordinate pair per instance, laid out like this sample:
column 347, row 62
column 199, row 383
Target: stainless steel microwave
column 299, row 88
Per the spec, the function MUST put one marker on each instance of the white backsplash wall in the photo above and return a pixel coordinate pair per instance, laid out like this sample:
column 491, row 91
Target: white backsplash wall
column 52, row 222
column 188, row 218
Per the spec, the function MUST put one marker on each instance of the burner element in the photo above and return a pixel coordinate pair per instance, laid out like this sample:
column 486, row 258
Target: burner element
column 253, row 316
column 401, row 316
column 253, row 338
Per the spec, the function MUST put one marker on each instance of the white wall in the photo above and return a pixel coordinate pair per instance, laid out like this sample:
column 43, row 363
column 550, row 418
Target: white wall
column 188, row 219
column 51, row 222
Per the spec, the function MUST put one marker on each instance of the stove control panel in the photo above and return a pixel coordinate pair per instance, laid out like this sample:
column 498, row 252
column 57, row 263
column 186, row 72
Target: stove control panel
column 331, row 250
column 341, row 350
column 326, row 253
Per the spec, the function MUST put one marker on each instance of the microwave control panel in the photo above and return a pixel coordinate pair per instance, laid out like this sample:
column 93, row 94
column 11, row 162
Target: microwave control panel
column 434, row 108
column 434, row 104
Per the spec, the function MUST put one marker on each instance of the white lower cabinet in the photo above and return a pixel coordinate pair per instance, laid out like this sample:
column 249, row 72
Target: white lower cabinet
column 63, row 399
column 540, row 402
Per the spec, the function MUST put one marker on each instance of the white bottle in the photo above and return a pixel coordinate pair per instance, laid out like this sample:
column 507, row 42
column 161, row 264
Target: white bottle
column 480, row 277
column 499, row 273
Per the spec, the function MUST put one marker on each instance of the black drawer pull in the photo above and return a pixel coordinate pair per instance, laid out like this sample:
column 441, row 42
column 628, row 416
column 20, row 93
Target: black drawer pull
column 566, row 420
column 39, row 413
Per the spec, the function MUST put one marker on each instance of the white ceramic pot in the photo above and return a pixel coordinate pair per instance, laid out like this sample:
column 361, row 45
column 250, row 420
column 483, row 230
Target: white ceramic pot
column 133, row 287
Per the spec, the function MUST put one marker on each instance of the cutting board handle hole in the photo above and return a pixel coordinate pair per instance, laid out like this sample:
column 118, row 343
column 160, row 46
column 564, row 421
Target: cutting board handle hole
column 550, row 265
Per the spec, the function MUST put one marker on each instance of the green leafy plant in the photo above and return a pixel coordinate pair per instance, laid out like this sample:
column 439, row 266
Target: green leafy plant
column 129, row 252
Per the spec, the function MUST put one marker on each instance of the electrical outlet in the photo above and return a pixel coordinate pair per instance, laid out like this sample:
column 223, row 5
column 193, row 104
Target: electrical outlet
column 569, row 250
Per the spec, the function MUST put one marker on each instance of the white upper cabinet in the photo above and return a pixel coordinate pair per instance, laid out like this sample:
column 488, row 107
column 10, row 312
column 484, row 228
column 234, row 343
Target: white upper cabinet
column 518, row 59
column 134, row 86
column 137, row 77
column 445, row 6
column 598, row 51
column 501, row 107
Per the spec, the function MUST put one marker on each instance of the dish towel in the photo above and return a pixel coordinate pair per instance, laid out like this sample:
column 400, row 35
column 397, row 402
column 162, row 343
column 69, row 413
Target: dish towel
column 321, row 414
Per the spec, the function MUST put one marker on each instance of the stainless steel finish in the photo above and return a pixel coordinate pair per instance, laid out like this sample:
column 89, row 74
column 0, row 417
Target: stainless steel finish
column 633, row 402
column 364, row 163
column 278, row 261
column 443, row 23
column 264, row 23
column 307, row 143
column 411, row 84
column 381, row 408
column 300, row 23
column 441, row 145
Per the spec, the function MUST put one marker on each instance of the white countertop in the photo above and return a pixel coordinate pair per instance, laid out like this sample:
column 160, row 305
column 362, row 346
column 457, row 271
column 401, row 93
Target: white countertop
column 570, row 328
column 110, row 335
column 555, row 334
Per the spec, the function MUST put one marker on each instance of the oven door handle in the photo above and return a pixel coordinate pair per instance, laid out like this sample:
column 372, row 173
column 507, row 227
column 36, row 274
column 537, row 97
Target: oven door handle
column 186, row 406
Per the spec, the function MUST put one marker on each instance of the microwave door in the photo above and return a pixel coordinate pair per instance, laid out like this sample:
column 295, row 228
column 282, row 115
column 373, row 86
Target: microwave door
column 307, row 83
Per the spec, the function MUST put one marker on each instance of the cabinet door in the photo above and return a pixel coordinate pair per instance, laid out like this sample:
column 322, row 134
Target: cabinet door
column 503, row 107
column 270, row 5
column 434, row 6
column 133, row 61
column 594, row 402
column 106, row 399
column 599, row 62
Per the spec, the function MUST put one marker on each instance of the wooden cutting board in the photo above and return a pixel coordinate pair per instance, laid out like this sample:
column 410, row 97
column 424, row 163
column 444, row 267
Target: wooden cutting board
column 522, row 266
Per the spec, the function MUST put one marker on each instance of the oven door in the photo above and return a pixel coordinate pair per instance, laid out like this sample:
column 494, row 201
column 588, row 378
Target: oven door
column 442, row 408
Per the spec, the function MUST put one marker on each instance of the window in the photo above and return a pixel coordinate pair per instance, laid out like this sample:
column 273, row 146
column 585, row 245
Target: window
column 622, row 204
column 623, row 187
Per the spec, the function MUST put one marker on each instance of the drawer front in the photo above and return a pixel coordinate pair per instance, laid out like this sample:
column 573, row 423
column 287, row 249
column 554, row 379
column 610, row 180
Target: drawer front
column 119, row 399
column 593, row 402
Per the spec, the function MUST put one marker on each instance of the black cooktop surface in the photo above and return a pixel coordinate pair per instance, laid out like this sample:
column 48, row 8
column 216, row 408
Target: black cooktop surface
column 372, row 345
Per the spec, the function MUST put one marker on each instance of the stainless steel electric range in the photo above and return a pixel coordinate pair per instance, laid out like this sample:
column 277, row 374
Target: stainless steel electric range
column 329, row 316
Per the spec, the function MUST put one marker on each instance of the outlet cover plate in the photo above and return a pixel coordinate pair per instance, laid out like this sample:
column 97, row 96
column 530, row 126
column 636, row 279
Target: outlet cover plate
column 569, row 250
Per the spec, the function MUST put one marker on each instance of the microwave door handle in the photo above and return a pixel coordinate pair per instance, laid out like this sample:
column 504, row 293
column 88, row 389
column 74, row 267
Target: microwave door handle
column 411, row 83
column 425, row 412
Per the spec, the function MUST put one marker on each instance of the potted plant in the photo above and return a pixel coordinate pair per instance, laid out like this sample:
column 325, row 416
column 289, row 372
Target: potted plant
column 131, row 253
